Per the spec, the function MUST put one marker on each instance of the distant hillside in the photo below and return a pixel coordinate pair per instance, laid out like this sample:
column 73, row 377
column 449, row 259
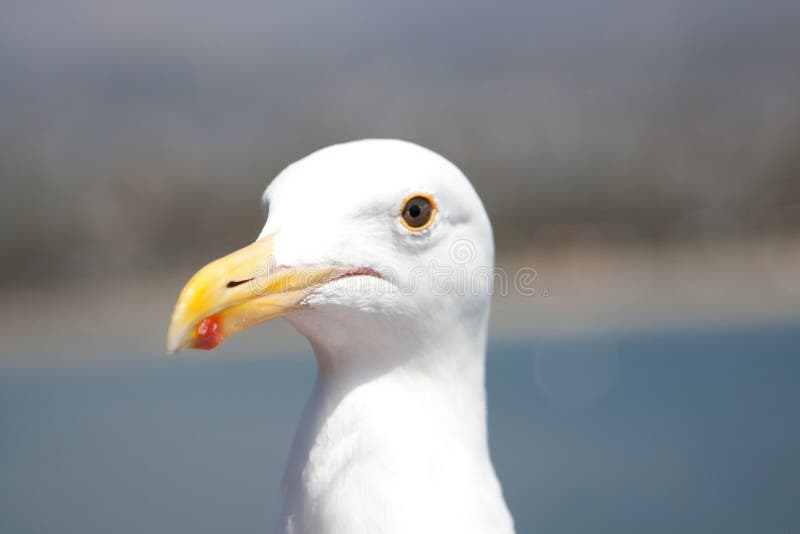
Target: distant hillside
column 133, row 135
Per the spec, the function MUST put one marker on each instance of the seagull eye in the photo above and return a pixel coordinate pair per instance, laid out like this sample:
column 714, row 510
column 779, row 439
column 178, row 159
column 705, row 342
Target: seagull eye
column 418, row 212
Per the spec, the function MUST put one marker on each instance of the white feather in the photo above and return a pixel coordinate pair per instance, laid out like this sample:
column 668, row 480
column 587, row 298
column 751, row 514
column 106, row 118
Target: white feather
column 393, row 439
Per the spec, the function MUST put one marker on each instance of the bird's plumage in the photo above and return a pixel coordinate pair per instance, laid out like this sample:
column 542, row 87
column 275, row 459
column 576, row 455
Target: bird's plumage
column 393, row 439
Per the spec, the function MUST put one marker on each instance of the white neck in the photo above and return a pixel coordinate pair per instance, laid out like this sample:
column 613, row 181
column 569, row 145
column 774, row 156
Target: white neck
column 393, row 439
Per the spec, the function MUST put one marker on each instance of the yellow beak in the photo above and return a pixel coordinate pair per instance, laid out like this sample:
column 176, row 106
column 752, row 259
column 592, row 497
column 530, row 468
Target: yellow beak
column 238, row 291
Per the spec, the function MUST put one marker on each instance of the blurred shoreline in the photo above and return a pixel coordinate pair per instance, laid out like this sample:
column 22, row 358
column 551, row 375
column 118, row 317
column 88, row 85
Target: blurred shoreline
column 579, row 288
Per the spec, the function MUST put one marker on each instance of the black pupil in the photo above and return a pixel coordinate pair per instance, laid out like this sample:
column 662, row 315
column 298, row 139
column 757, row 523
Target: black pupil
column 414, row 211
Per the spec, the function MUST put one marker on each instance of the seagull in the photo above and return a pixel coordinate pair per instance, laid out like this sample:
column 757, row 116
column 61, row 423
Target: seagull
column 381, row 254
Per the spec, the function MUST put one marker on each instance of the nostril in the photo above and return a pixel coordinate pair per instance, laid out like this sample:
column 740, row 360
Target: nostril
column 234, row 283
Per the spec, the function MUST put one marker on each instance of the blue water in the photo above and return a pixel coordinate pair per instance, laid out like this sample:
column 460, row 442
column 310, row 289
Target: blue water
column 679, row 431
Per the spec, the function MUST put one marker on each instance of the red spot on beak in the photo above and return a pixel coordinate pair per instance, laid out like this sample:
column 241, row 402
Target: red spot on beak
column 208, row 333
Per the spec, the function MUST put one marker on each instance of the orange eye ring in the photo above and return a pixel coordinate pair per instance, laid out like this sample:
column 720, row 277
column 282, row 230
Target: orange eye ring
column 418, row 212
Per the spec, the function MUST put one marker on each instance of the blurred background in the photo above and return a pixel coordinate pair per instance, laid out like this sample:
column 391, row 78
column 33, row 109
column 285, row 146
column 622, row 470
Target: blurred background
column 643, row 157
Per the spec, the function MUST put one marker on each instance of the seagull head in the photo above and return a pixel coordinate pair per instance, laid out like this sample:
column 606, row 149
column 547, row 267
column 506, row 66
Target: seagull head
column 367, row 246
